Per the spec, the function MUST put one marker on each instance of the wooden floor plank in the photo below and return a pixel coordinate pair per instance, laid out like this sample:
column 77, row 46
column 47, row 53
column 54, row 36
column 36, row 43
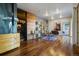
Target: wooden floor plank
column 40, row 48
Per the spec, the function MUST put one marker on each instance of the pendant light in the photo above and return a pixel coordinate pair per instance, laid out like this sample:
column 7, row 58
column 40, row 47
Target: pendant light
column 46, row 12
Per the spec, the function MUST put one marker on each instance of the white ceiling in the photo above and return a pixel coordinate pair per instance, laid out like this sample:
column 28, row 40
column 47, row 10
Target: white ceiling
column 39, row 9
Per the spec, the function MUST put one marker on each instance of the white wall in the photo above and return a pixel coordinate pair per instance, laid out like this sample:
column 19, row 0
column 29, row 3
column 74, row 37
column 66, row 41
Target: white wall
column 74, row 26
column 30, row 27
column 52, row 23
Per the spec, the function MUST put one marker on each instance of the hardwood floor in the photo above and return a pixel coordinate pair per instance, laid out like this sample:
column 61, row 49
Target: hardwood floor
column 40, row 48
column 76, row 50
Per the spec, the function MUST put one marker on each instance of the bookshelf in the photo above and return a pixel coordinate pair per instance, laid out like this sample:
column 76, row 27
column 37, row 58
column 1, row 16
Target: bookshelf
column 21, row 24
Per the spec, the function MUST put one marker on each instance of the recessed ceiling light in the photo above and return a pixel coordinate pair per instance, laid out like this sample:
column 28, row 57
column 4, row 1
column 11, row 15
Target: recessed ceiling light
column 57, row 11
column 60, row 16
column 52, row 17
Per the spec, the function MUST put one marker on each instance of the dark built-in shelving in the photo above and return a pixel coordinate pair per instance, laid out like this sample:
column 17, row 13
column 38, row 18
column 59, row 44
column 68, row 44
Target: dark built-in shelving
column 22, row 23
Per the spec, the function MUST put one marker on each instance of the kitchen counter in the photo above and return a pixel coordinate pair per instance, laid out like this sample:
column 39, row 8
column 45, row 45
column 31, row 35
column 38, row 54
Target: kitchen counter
column 9, row 42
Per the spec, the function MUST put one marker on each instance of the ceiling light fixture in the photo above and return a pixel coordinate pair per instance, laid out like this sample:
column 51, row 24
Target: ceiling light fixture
column 57, row 11
column 52, row 17
column 60, row 16
column 46, row 13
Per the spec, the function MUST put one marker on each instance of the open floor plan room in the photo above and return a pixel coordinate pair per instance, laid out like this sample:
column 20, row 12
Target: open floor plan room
column 39, row 29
